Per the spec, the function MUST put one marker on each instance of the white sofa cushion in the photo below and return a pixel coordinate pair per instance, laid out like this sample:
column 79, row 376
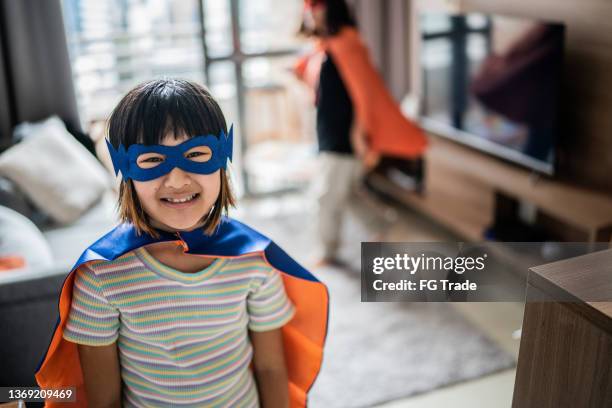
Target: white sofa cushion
column 58, row 174
column 20, row 237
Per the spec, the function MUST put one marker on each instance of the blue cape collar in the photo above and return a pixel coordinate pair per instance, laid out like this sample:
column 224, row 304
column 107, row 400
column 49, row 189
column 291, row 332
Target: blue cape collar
column 231, row 239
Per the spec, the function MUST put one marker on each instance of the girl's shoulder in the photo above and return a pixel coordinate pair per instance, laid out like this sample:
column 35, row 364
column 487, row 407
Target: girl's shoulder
column 253, row 267
column 254, row 259
column 102, row 266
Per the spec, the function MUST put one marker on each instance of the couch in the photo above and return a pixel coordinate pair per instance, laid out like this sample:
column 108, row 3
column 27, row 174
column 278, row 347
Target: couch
column 28, row 296
column 50, row 236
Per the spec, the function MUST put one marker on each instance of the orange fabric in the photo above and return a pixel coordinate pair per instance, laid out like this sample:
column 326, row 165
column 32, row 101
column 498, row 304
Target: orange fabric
column 62, row 367
column 304, row 337
column 11, row 262
column 389, row 131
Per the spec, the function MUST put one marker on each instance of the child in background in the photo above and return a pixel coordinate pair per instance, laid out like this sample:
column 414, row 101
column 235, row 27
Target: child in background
column 173, row 306
column 358, row 121
column 340, row 137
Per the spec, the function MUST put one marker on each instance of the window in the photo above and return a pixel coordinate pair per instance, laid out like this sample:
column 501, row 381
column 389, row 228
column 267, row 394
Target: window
column 241, row 49
column 117, row 44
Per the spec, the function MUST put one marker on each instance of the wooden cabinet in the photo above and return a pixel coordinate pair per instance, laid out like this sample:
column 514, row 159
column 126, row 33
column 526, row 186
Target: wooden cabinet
column 565, row 356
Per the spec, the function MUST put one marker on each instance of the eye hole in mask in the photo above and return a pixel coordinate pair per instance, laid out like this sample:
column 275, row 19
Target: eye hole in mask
column 150, row 160
column 199, row 154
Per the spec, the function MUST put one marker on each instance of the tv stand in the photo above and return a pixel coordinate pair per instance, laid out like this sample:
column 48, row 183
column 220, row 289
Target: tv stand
column 462, row 186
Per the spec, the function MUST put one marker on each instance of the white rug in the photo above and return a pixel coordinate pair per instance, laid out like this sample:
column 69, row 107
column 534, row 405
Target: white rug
column 377, row 352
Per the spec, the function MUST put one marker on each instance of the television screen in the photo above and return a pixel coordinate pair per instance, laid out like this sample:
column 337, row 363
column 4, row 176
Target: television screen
column 493, row 82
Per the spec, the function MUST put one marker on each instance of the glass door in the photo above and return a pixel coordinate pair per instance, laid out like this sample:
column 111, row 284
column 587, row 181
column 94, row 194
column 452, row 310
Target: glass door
column 249, row 48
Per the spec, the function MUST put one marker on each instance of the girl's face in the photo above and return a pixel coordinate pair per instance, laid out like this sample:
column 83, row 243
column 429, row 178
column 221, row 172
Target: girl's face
column 178, row 201
column 314, row 18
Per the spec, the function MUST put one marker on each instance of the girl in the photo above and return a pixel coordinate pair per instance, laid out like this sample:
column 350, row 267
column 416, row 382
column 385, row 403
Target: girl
column 357, row 119
column 179, row 305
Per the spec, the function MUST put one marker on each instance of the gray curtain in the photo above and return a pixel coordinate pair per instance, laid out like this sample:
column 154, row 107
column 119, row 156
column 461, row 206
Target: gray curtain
column 384, row 25
column 35, row 75
column 5, row 107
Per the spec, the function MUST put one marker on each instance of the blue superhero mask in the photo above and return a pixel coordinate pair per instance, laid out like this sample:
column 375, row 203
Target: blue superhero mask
column 188, row 156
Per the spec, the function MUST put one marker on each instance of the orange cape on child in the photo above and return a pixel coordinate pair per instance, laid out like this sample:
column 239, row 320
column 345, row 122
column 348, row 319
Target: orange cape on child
column 390, row 132
column 304, row 335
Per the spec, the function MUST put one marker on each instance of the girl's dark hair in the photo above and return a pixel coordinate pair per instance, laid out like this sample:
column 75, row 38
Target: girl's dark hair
column 145, row 115
column 154, row 108
column 337, row 15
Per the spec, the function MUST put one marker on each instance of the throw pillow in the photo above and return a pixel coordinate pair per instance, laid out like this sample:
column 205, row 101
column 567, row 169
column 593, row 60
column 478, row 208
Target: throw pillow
column 55, row 171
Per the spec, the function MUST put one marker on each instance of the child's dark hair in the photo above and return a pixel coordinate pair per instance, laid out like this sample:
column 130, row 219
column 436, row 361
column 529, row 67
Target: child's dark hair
column 337, row 15
column 145, row 115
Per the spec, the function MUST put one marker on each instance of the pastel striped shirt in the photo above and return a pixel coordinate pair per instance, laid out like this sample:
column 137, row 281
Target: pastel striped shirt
column 182, row 337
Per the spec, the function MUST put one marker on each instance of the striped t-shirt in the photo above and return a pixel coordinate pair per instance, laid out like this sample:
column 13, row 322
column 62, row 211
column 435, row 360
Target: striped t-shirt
column 182, row 337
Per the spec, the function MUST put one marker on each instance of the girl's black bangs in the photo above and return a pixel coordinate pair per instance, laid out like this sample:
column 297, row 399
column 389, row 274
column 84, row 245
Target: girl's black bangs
column 170, row 106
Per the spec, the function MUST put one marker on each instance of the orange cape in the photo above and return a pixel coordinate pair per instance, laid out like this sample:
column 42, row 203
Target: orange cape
column 390, row 132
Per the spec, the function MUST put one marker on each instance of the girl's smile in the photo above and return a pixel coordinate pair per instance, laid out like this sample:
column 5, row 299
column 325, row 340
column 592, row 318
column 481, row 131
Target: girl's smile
column 180, row 201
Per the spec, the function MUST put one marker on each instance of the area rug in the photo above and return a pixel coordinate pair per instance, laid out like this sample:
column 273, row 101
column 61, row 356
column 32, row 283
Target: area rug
column 378, row 352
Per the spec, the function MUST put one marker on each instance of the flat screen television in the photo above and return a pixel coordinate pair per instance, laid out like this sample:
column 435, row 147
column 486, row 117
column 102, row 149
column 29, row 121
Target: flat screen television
column 493, row 83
